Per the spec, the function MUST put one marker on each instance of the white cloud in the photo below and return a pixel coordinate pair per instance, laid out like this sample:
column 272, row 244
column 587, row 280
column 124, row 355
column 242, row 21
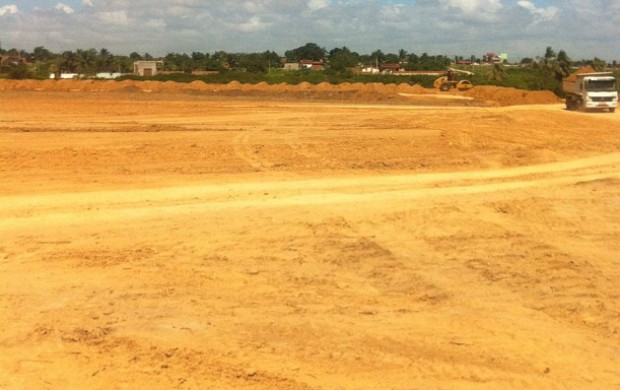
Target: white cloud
column 315, row 5
column 471, row 7
column 393, row 11
column 394, row 15
column 254, row 7
column 8, row 10
column 64, row 8
column 470, row 11
column 526, row 4
column 88, row 3
column 155, row 23
column 117, row 18
column 255, row 23
column 540, row 14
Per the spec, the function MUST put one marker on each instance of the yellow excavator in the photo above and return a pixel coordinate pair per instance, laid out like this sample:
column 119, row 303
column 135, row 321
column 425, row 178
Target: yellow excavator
column 450, row 80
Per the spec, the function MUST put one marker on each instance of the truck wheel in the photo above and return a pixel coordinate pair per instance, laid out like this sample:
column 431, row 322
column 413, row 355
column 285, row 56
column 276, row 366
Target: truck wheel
column 612, row 110
column 580, row 105
column 464, row 85
column 445, row 87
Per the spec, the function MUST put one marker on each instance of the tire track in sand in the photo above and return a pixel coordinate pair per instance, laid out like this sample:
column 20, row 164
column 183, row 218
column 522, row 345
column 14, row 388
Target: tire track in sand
column 109, row 205
column 290, row 135
column 242, row 146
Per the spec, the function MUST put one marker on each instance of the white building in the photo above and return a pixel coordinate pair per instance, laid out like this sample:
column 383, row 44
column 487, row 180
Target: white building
column 146, row 68
column 108, row 75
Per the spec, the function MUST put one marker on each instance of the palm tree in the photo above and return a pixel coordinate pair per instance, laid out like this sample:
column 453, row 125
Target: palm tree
column 86, row 60
column 497, row 73
column 402, row 54
column 68, row 62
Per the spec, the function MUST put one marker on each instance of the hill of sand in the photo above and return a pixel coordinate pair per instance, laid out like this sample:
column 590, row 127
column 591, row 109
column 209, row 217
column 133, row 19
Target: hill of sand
column 584, row 69
column 511, row 96
column 371, row 92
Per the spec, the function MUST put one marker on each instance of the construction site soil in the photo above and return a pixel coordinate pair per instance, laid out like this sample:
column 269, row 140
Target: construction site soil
column 169, row 236
column 345, row 92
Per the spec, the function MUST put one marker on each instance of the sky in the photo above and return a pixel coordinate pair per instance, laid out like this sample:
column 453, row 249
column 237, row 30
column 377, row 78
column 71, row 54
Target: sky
column 521, row 28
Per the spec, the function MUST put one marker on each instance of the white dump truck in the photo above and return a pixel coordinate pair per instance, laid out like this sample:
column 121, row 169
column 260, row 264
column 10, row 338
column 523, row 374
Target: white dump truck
column 592, row 90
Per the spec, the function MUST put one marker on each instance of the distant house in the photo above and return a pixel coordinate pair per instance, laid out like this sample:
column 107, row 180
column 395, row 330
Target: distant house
column 292, row 66
column 64, row 76
column 490, row 57
column 312, row 65
column 370, row 70
column 146, row 68
column 108, row 75
column 305, row 64
column 12, row 60
column 390, row 68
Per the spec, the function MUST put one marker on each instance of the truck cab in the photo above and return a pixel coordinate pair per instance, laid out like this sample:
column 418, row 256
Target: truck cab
column 591, row 91
column 600, row 92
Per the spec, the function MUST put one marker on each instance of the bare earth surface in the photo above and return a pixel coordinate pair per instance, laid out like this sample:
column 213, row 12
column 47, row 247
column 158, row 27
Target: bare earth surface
column 188, row 241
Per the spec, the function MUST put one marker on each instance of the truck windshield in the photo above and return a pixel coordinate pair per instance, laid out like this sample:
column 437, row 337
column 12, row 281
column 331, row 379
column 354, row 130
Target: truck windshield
column 601, row 85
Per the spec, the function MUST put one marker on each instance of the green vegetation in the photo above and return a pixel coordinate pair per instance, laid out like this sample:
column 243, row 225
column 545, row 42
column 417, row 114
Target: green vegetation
column 342, row 65
column 310, row 51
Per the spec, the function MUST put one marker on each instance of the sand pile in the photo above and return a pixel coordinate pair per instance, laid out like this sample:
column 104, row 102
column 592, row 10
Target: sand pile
column 511, row 96
column 197, row 85
column 408, row 89
column 104, row 86
column 171, row 86
column 346, row 87
column 583, row 69
column 363, row 87
column 282, row 87
column 233, row 85
column 381, row 89
column 325, row 87
column 359, row 91
column 149, row 86
column 304, row 87
column 263, row 86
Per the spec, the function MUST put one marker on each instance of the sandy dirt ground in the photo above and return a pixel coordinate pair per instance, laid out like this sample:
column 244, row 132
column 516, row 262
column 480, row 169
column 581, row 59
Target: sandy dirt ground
column 155, row 241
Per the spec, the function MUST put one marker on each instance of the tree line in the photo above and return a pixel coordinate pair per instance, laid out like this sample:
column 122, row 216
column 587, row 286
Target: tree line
column 544, row 72
column 42, row 61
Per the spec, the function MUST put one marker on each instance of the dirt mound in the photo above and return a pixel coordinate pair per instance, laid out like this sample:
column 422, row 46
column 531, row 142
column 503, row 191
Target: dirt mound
column 150, row 86
column 282, row 87
column 583, row 69
column 263, row 86
column 488, row 95
column 232, row 85
column 503, row 96
column 171, row 86
column 415, row 89
column 325, row 87
column 196, row 86
column 304, row 87
column 103, row 86
column 346, row 86
column 383, row 89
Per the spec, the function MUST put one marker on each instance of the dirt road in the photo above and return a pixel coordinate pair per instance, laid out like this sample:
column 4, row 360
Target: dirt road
column 176, row 241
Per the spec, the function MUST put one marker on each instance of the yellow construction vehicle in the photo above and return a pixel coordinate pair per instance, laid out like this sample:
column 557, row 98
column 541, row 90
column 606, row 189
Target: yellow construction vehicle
column 449, row 81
